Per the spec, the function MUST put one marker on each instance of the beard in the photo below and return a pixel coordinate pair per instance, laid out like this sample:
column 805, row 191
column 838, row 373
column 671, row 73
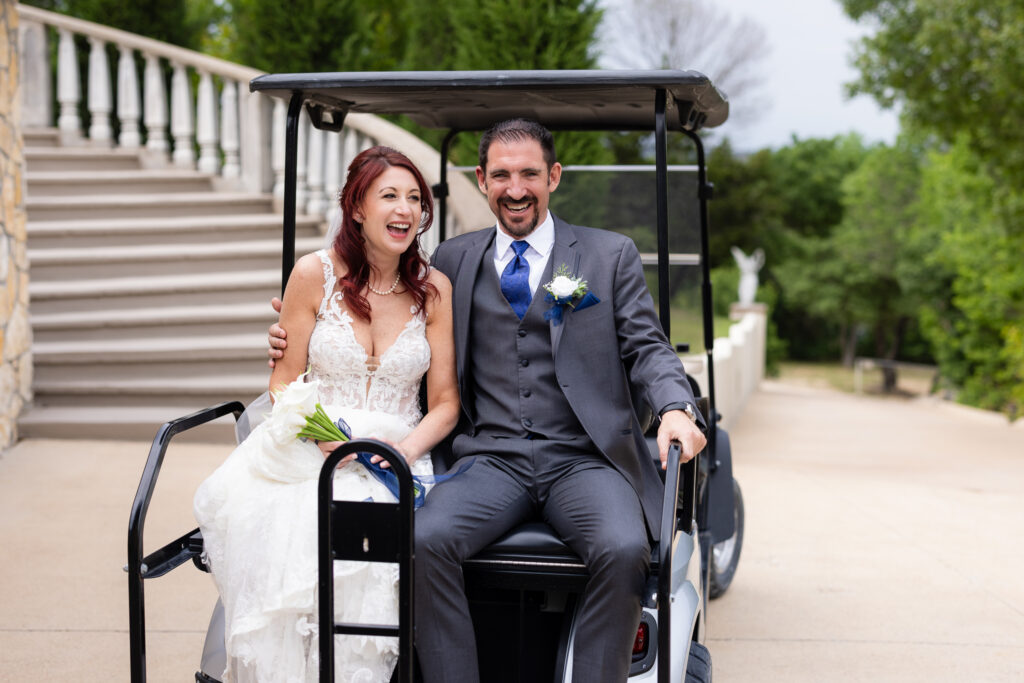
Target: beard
column 523, row 228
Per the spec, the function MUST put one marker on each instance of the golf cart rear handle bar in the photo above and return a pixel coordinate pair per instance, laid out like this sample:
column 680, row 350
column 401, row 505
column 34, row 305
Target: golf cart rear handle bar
column 680, row 481
column 137, row 523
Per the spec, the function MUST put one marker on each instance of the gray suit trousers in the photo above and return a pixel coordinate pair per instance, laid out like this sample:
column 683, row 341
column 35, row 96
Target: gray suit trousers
column 588, row 504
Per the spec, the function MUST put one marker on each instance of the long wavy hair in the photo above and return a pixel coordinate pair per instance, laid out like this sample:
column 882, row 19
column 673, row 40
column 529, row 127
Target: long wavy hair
column 350, row 245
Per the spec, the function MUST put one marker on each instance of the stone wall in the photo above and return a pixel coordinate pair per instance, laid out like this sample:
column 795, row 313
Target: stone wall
column 15, row 333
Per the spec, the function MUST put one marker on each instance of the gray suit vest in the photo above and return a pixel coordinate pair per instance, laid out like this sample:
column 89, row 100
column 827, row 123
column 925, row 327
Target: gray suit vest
column 515, row 390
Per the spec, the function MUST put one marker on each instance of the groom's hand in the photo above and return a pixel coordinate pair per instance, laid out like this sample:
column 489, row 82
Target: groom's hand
column 277, row 336
column 677, row 426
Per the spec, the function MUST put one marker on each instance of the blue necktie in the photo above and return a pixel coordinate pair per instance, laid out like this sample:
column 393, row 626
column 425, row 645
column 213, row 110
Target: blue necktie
column 515, row 280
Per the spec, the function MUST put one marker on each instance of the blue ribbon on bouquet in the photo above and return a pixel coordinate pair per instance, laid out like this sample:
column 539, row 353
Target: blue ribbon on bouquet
column 387, row 477
column 559, row 304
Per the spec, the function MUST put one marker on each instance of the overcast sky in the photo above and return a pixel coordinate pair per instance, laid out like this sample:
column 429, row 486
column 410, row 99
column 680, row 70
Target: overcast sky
column 806, row 64
column 810, row 43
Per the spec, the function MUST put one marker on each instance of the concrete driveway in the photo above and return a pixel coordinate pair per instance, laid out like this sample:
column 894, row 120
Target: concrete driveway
column 883, row 543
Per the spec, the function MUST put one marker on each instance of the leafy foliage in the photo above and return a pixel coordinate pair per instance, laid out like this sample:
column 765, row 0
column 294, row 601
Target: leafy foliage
column 181, row 22
column 956, row 67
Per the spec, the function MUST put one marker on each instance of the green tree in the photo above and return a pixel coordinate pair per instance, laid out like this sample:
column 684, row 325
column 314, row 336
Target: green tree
column 311, row 35
column 781, row 201
column 180, row 22
column 955, row 66
column 976, row 306
column 851, row 277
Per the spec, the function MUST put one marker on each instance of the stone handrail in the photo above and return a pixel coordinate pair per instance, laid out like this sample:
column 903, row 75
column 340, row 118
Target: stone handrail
column 239, row 135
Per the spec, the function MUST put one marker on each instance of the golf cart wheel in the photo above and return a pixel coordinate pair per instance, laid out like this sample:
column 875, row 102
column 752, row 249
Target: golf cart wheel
column 698, row 666
column 725, row 555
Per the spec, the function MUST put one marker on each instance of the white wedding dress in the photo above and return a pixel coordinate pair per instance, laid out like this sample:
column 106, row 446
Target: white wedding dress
column 257, row 513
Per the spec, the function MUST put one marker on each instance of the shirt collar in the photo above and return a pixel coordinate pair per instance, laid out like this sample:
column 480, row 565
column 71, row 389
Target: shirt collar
column 540, row 240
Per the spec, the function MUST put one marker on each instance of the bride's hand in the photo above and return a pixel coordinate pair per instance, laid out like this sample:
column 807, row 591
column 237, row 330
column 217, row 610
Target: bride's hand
column 327, row 447
column 398, row 447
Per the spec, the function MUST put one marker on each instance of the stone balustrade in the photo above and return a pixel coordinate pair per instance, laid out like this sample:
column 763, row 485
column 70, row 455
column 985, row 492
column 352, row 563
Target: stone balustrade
column 221, row 128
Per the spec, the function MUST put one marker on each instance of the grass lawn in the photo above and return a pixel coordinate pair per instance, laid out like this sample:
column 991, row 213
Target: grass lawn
column 688, row 327
column 914, row 381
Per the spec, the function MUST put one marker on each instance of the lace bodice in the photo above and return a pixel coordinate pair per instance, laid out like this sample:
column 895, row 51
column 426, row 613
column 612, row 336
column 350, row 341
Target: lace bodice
column 389, row 383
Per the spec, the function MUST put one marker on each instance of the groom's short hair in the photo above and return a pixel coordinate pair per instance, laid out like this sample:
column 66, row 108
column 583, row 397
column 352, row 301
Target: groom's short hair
column 518, row 130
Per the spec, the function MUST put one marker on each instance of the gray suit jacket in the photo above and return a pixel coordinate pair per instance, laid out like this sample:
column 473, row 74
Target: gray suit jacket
column 606, row 355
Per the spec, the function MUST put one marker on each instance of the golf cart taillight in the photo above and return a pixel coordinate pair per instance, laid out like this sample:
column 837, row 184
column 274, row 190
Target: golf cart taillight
column 640, row 642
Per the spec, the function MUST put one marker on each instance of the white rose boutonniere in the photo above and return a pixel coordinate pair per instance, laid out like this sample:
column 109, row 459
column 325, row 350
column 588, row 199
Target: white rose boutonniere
column 566, row 291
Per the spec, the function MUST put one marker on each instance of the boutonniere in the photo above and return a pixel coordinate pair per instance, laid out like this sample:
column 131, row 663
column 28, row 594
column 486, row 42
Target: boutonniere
column 566, row 291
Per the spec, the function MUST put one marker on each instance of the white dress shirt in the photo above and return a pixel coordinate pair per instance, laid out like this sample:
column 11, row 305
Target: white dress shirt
column 541, row 240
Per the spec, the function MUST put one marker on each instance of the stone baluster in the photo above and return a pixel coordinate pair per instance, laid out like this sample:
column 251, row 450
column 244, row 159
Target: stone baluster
column 181, row 117
column 34, row 71
column 206, row 125
column 156, row 107
column 100, row 104
column 68, row 90
column 315, row 173
column 301, row 189
column 277, row 137
column 229, row 129
column 332, row 175
column 128, row 99
column 349, row 150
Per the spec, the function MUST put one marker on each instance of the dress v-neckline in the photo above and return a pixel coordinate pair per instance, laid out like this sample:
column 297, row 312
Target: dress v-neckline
column 346, row 321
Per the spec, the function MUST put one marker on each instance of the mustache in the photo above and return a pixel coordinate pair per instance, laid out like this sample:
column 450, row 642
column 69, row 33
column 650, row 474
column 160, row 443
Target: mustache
column 525, row 198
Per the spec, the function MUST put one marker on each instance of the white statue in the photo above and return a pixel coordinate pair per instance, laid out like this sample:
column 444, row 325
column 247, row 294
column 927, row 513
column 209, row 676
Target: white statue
column 749, row 265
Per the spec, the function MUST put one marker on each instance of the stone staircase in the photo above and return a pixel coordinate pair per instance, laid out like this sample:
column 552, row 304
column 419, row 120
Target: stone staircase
column 149, row 291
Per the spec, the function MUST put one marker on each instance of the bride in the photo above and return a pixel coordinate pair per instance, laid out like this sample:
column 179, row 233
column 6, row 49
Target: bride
column 369, row 319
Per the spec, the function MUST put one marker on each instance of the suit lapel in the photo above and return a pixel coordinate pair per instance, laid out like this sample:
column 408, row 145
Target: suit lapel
column 563, row 251
column 462, row 296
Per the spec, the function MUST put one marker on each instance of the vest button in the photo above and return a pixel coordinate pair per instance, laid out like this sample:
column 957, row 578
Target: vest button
column 526, row 393
column 524, row 362
column 528, row 422
column 521, row 333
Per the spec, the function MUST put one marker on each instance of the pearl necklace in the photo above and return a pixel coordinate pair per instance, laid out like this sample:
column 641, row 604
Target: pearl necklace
column 391, row 290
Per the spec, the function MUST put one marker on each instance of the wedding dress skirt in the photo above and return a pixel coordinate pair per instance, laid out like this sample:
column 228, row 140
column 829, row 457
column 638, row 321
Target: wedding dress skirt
column 257, row 513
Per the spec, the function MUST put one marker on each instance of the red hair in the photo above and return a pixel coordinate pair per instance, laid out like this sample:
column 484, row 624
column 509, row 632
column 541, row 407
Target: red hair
column 350, row 245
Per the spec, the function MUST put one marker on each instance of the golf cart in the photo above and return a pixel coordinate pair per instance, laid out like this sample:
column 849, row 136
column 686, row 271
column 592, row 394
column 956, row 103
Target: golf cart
column 524, row 587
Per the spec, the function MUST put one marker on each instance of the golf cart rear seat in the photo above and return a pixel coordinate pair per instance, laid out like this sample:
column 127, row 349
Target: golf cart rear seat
column 533, row 557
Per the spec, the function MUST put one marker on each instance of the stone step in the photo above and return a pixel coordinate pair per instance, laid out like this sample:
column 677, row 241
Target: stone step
column 40, row 137
column 89, row 232
column 79, row 159
column 161, row 259
column 151, row 355
column 184, row 395
column 142, row 323
column 251, row 287
column 100, row 182
column 146, row 205
column 120, row 423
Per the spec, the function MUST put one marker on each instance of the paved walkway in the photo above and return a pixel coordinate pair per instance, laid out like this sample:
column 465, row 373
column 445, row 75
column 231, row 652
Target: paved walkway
column 884, row 543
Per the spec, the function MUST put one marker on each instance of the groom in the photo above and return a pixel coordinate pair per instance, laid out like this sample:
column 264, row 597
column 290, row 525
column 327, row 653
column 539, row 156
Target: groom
column 547, row 412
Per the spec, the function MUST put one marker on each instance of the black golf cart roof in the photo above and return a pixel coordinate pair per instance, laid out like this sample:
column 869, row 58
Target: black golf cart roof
column 473, row 100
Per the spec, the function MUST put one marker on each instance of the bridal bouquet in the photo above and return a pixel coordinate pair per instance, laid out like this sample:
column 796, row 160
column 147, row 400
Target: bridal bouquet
column 298, row 413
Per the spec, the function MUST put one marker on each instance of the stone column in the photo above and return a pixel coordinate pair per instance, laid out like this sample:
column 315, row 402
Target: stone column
column 15, row 334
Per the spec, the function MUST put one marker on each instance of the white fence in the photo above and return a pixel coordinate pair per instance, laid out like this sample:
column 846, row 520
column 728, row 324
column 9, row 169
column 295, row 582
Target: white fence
column 221, row 129
column 739, row 363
